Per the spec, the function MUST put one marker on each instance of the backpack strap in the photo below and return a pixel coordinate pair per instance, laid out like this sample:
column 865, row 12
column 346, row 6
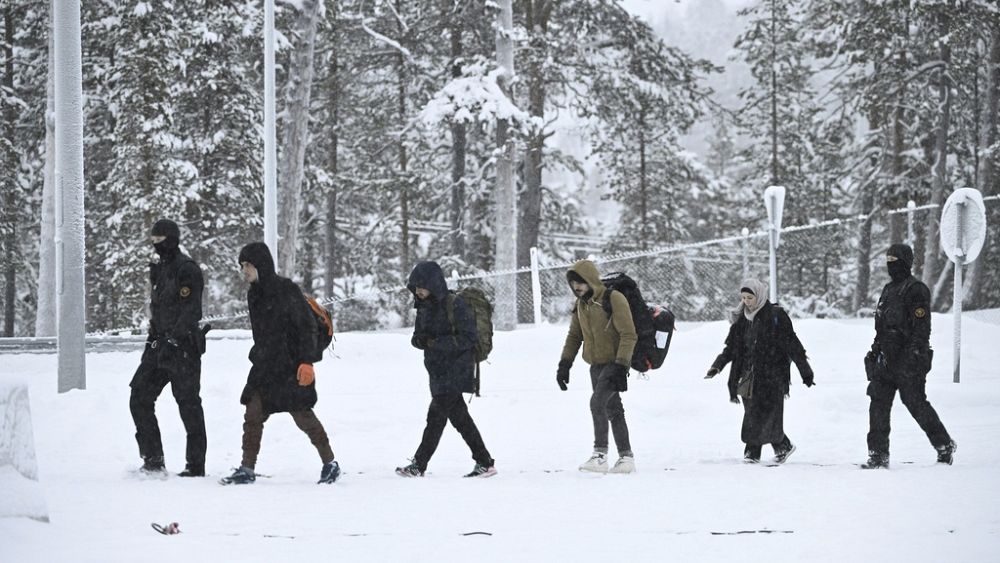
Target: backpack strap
column 449, row 307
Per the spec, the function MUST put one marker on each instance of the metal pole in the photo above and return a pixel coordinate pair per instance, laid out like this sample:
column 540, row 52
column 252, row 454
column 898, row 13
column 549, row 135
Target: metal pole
column 270, row 146
column 911, row 208
column 70, row 290
column 536, row 287
column 957, row 294
column 773, row 243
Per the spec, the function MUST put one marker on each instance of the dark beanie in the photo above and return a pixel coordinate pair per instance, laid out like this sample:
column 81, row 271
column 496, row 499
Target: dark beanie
column 572, row 276
column 747, row 290
column 903, row 253
column 166, row 228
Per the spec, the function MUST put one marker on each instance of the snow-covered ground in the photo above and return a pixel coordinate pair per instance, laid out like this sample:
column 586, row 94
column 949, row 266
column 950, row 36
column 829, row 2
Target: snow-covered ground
column 689, row 500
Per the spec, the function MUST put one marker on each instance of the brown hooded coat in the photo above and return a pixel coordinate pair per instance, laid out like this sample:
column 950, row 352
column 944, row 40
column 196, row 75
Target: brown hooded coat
column 604, row 339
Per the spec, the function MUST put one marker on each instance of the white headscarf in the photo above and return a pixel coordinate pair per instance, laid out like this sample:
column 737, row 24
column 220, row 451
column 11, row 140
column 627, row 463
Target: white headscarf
column 760, row 290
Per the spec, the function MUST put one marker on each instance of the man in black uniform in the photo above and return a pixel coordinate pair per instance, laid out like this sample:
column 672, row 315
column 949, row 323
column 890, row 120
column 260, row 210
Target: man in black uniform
column 173, row 353
column 900, row 359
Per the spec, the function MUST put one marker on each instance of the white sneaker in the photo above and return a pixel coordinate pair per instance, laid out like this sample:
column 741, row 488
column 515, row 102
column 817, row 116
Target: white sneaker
column 625, row 464
column 598, row 463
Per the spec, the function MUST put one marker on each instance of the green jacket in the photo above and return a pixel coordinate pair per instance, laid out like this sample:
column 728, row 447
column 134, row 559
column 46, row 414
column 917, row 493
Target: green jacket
column 604, row 339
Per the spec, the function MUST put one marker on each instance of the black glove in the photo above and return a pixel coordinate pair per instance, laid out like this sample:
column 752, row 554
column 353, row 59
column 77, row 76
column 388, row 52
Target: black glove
column 419, row 341
column 562, row 374
column 712, row 372
column 808, row 379
column 734, row 399
column 618, row 377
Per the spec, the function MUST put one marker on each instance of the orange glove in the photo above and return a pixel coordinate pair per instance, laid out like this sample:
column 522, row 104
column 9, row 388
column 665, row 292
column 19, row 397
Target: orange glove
column 306, row 375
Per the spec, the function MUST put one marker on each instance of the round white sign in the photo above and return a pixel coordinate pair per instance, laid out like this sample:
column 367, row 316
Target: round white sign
column 963, row 226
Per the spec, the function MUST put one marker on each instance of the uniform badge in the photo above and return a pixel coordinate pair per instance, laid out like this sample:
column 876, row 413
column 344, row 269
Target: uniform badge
column 920, row 313
column 186, row 292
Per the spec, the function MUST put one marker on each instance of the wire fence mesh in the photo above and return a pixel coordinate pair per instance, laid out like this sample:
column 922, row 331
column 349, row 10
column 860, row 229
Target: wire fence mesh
column 822, row 273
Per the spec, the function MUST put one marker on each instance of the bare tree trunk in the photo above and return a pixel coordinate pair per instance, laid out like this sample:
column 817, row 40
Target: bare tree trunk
column 931, row 246
column 867, row 205
column 897, row 227
column 404, row 185
column 330, row 278
column 537, row 15
column 45, row 314
column 506, row 202
column 11, row 213
column 978, row 271
column 297, row 96
column 643, row 187
column 458, row 146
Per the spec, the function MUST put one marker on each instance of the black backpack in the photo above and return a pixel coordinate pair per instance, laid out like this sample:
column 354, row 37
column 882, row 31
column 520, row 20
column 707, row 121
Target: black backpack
column 324, row 326
column 654, row 324
column 482, row 312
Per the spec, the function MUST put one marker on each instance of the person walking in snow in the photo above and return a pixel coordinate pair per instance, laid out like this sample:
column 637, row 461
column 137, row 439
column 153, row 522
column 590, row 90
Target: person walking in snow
column 445, row 330
column 281, row 378
column 900, row 358
column 608, row 342
column 173, row 353
column 761, row 345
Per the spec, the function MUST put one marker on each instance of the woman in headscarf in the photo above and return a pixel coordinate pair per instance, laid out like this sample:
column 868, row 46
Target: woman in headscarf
column 761, row 346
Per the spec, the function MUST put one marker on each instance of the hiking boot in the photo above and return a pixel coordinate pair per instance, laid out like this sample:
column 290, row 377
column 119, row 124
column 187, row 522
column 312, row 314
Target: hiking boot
column 876, row 460
column 945, row 451
column 481, row 470
column 751, row 454
column 783, row 452
column 598, row 463
column 241, row 476
column 411, row 470
column 330, row 473
column 625, row 464
column 192, row 470
column 153, row 466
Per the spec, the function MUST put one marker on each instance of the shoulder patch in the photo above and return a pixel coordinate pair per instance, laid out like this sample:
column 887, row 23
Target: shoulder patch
column 920, row 313
column 185, row 292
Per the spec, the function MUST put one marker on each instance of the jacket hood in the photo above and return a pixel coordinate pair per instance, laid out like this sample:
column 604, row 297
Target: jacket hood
column 429, row 276
column 588, row 271
column 258, row 254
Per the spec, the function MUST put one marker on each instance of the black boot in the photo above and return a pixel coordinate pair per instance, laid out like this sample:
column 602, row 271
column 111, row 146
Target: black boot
column 751, row 454
column 193, row 470
column 153, row 465
column 876, row 460
column 945, row 452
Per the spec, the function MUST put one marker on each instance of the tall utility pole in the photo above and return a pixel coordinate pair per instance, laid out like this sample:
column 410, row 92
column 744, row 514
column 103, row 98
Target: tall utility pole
column 69, row 195
column 506, row 197
column 270, row 148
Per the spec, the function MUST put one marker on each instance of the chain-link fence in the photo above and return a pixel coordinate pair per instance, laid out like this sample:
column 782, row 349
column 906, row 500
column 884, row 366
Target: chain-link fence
column 826, row 269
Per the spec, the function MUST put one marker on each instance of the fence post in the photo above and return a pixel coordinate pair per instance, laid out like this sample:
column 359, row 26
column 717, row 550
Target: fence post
column 746, row 252
column 911, row 207
column 536, row 287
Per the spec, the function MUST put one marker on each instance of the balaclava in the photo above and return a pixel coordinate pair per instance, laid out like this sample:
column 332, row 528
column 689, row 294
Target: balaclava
column 900, row 268
column 168, row 246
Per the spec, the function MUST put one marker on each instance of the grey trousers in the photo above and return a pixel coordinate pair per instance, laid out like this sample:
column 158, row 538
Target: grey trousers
column 606, row 409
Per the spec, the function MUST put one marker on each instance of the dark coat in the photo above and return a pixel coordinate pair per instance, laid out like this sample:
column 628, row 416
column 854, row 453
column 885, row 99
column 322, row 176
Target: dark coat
column 448, row 351
column 773, row 346
column 175, row 308
column 284, row 336
column 903, row 326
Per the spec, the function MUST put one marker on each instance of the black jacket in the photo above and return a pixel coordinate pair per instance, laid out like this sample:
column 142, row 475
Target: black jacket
column 284, row 336
column 903, row 325
column 175, row 298
column 448, row 351
column 774, row 346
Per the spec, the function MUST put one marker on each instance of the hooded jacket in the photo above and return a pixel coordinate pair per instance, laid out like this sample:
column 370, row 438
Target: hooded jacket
column 605, row 339
column 284, row 336
column 448, row 351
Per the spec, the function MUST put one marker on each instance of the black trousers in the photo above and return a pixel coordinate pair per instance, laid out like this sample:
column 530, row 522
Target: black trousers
column 912, row 391
column 184, row 376
column 444, row 408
